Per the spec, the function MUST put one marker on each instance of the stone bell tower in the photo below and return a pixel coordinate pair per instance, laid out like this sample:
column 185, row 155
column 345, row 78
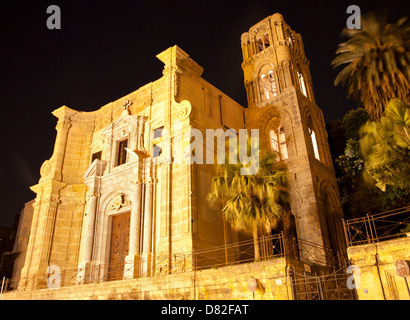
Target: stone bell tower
column 281, row 104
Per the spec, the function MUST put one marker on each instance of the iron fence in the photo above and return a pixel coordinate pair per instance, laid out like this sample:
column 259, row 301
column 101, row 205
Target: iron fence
column 325, row 287
column 271, row 247
column 377, row 227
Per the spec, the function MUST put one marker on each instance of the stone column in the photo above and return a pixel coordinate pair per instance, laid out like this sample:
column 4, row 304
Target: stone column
column 87, row 243
column 147, row 244
column 42, row 248
column 131, row 268
column 51, row 205
column 63, row 126
column 25, row 275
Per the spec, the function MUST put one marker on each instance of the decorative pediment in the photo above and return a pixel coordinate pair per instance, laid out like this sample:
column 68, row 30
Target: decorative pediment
column 96, row 169
column 122, row 122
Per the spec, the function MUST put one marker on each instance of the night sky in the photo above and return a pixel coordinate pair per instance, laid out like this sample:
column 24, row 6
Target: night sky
column 107, row 49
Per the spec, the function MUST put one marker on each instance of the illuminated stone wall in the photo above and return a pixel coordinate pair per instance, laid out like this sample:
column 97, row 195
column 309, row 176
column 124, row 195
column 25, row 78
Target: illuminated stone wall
column 74, row 203
column 378, row 278
column 281, row 98
column 224, row 283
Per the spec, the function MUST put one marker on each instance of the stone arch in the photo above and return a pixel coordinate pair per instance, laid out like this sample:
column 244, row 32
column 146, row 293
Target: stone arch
column 271, row 118
column 323, row 186
column 312, row 122
column 291, row 236
column 331, row 218
column 264, row 74
column 261, row 33
column 102, row 236
column 303, row 68
column 302, row 80
column 108, row 197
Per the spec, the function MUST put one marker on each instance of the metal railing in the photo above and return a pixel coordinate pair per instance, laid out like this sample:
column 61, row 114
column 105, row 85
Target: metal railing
column 239, row 252
column 310, row 251
column 324, row 287
column 377, row 227
column 272, row 246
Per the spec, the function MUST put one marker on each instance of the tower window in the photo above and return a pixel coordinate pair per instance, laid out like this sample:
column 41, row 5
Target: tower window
column 282, row 143
column 289, row 36
column 274, row 141
column 278, row 143
column 269, row 86
column 122, row 153
column 265, row 86
column 312, row 135
column 272, row 81
column 266, row 40
column 259, row 44
column 302, row 84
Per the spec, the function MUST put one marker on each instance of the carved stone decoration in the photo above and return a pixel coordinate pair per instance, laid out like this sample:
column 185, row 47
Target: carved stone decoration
column 63, row 124
column 184, row 110
column 135, row 181
column 45, row 168
column 118, row 201
column 126, row 107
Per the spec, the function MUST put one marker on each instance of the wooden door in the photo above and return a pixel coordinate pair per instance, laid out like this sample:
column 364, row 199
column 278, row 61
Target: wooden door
column 120, row 234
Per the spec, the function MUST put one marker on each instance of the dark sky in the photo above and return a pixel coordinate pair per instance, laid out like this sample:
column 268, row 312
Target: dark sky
column 107, row 49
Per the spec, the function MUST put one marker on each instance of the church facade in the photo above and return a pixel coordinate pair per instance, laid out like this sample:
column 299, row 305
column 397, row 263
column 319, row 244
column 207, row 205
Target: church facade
column 113, row 198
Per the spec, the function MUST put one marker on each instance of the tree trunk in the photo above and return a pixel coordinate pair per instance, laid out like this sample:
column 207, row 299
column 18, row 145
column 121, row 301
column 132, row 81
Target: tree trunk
column 256, row 243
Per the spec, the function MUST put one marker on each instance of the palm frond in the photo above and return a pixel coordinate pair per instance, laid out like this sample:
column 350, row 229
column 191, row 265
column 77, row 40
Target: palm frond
column 385, row 146
column 251, row 201
column 377, row 63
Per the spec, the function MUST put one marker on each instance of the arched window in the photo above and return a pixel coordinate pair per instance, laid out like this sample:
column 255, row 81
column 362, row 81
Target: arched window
column 262, row 42
column 312, row 135
column 302, row 83
column 278, row 143
column 266, row 40
column 274, row 141
column 268, row 84
column 272, row 81
column 282, row 144
column 289, row 36
column 259, row 44
column 265, row 86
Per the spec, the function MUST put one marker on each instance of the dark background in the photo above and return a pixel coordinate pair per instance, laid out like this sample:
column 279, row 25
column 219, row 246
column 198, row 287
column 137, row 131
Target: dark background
column 107, row 49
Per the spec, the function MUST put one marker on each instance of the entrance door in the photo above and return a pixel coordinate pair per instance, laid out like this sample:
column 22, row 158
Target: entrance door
column 120, row 235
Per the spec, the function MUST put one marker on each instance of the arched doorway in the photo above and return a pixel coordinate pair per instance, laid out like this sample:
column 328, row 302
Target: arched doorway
column 291, row 237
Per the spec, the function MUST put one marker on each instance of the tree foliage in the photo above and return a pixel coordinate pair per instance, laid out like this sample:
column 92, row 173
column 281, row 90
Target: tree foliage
column 385, row 145
column 251, row 202
column 353, row 121
column 359, row 194
column 377, row 62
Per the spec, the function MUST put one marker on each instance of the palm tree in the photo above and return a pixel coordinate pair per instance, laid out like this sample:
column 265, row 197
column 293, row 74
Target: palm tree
column 385, row 145
column 377, row 59
column 251, row 202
